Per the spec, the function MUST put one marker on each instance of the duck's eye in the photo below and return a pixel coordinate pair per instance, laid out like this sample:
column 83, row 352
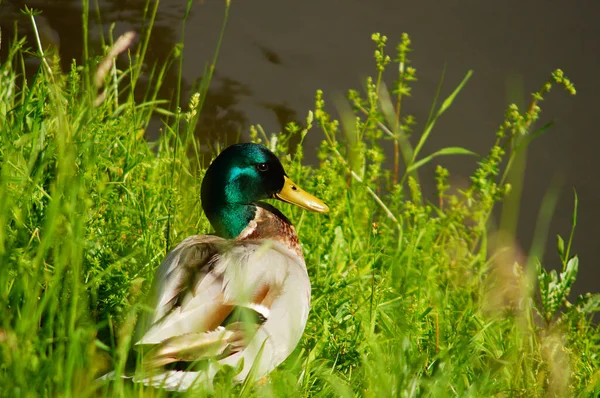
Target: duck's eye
column 262, row 167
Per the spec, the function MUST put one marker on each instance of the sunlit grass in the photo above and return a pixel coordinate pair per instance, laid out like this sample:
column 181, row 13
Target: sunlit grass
column 409, row 297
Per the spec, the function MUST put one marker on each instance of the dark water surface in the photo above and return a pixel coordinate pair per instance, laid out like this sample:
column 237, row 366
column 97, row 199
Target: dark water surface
column 277, row 53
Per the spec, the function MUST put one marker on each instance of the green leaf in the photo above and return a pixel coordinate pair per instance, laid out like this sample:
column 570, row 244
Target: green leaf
column 589, row 303
column 573, row 224
column 560, row 246
column 250, row 378
column 555, row 288
column 524, row 143
column 23, row 140
column 445, row 105
column 452, row 150
column 569, row 276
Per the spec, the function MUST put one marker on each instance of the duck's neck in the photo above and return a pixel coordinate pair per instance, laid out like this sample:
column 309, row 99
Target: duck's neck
column 230, row 219
column 256, row 221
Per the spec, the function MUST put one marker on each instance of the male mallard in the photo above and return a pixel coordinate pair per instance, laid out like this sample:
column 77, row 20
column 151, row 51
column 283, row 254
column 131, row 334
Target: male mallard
column 240, row 296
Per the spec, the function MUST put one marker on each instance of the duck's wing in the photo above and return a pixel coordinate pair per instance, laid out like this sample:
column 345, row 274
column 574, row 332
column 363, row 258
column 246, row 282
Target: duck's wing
column 240, row 302
column 182, row 269
column 186, row 266
column 212, row 295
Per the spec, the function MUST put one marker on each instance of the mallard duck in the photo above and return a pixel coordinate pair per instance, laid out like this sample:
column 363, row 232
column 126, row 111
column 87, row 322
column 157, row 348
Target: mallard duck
column 240, row 297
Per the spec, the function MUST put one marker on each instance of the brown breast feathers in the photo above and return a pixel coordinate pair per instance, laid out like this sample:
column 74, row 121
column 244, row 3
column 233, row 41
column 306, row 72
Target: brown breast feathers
column 269, row 225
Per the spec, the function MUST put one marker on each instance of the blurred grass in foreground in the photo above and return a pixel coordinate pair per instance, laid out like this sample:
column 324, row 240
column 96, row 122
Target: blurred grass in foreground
column 409, row 297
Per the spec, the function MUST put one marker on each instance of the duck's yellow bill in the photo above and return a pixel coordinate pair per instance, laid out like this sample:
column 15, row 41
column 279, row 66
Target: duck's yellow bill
column 295, row 195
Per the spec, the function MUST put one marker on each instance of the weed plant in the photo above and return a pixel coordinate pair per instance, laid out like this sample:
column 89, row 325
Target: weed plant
column 410, row 298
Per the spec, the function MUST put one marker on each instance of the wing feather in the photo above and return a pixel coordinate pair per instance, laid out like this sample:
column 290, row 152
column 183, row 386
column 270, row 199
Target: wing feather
column 178, row 277
column 207, row 287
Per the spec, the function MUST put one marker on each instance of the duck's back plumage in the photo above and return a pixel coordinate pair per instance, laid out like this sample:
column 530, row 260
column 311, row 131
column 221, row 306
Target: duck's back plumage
column 201, row 286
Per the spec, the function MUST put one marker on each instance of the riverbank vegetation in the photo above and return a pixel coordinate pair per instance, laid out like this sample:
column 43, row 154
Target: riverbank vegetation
column 411, row 296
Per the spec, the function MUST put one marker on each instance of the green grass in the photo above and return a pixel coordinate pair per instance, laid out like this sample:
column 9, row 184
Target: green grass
column 410, row 297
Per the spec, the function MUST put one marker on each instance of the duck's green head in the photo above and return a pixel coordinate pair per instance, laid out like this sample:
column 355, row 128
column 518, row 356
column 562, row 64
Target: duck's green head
column 242, row 175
